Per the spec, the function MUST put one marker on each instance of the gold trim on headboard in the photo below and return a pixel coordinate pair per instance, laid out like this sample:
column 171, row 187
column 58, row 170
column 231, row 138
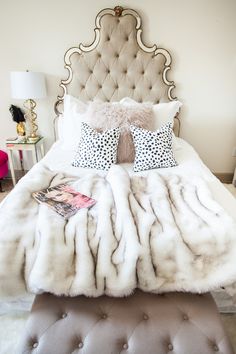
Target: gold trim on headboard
column 118, row 11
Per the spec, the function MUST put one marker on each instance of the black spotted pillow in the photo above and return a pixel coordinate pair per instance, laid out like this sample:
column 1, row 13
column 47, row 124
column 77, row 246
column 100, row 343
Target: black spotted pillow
column 96, row 150
column 153, row 149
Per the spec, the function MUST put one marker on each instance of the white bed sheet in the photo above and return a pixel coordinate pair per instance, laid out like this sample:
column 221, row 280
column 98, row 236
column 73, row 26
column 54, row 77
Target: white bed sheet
column 189, row 164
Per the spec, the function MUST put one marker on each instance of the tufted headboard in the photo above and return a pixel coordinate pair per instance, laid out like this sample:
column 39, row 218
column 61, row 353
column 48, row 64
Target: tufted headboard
column 117, row 64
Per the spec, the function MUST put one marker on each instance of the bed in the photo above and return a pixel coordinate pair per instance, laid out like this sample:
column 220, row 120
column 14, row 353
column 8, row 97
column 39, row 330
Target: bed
column 151, row 229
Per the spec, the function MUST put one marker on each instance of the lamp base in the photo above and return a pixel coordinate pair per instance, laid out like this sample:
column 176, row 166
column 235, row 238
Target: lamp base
column 31, row 116
column 33, row 139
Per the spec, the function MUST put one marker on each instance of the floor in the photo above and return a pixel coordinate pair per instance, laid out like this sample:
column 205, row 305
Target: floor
column 14, row 322
column 229, row 321
column 6, row 187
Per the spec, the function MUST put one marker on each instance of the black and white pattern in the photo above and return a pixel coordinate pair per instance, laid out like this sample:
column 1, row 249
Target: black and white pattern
column 96, row 150
column 153, row 149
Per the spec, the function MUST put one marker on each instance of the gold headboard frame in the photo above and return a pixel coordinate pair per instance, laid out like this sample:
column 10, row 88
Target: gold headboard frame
column 117, row 63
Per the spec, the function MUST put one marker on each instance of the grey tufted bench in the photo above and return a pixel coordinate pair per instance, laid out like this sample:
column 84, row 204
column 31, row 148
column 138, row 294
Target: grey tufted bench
column 143, row 323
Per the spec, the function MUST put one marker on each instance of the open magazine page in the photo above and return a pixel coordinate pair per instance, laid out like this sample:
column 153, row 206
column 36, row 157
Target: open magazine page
column 63, row 199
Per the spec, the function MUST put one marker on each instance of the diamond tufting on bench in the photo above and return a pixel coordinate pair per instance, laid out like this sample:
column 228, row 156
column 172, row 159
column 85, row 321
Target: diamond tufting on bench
column 142, row 323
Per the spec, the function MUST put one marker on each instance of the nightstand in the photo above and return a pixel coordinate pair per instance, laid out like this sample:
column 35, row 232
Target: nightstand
column 34, row 147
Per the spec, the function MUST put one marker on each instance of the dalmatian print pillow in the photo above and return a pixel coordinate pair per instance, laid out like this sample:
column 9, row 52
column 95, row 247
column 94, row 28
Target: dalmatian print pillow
column 153, row 149
column 96, row 150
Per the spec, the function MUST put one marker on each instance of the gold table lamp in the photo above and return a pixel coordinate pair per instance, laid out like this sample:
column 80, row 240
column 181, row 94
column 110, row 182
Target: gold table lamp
column 29, row 85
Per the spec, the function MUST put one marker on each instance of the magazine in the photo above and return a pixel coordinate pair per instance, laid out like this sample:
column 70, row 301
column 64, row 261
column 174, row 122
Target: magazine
column 63, row 199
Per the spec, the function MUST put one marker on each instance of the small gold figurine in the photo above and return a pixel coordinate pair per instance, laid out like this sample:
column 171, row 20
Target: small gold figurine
column 19, row 118
column 20, row 129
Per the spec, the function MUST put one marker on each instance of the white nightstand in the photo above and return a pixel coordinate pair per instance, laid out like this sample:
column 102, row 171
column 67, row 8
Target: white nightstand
column 34, row 147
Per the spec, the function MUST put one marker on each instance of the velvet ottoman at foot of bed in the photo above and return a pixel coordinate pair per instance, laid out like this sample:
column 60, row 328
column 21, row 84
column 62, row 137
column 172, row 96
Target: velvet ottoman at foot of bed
column 143, row 323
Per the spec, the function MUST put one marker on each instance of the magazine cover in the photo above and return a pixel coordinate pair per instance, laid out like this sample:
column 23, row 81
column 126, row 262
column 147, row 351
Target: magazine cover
column 63, row 199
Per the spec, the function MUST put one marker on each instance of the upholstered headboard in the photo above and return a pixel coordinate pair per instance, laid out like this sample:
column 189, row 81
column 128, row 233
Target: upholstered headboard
column 117, row 64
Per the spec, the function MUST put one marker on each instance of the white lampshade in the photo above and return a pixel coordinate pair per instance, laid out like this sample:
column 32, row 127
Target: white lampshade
column 27, row 84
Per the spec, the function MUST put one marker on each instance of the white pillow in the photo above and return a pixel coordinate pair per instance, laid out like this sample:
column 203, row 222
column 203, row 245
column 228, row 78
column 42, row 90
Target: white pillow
column 75, row 112
column 59, row 127
column 163, row 112
column 69, row 125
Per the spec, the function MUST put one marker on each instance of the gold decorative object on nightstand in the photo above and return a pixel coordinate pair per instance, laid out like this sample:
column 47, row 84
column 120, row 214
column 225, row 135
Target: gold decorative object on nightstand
column 20, row 128
column 19, row 119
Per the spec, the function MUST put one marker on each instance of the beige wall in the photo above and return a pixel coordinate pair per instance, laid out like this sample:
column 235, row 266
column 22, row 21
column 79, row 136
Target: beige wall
column 200, row 34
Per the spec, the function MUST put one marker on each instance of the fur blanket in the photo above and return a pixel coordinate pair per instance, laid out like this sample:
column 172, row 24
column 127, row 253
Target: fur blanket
column 157, row 233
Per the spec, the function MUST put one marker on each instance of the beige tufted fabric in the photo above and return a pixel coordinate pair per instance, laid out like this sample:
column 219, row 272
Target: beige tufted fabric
column 140, row 324
column 118, row 64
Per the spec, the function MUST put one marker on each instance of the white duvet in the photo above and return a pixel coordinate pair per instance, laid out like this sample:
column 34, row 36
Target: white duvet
column 161, row 230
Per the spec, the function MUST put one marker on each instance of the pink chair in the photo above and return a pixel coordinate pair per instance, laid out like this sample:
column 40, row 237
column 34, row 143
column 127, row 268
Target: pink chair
column 3, row 166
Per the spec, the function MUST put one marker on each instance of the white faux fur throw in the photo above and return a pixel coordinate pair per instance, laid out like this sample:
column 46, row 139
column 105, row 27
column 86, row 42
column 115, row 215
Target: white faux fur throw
column 157, row 233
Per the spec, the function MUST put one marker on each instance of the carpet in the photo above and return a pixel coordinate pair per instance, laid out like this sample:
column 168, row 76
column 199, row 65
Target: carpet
column 11, row 327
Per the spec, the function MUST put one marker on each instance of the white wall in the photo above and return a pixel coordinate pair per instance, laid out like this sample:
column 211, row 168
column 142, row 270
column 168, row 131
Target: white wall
column 199, row 34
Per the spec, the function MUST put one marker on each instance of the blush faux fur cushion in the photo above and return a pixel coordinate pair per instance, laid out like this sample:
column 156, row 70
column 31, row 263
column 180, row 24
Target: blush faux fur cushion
column 103, row 116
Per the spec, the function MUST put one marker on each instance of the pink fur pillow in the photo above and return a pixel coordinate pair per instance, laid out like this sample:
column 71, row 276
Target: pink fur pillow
column 102, row 116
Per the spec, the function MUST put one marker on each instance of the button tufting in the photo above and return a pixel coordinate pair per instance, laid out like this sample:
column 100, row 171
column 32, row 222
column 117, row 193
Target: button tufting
column 170, row 346
column 80, row 345
column 133, row 87
column 216, row 349
column 125, row 346
column 104, row 316
column 35, row 345
column 145, row 317
column 185, row 317
column 64, row 315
